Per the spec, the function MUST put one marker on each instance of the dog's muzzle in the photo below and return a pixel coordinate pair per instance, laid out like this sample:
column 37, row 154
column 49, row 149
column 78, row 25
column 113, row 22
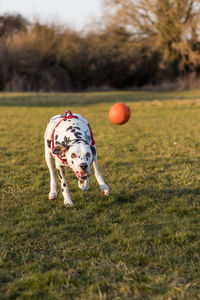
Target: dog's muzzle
column 82, row 175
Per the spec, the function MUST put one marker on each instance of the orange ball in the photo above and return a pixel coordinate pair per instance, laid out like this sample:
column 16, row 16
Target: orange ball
column 119, row 113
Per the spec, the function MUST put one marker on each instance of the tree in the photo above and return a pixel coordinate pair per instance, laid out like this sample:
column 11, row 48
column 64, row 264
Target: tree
column 11, row 24
column 169, row 27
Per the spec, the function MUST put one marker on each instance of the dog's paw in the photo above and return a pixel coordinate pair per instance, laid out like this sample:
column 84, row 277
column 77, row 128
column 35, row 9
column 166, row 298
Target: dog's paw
column 105, row 189
column 52, row 196
column 68, row 203
column 83, row 185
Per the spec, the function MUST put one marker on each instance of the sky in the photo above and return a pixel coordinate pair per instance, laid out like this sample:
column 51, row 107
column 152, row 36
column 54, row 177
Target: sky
column 76, row 13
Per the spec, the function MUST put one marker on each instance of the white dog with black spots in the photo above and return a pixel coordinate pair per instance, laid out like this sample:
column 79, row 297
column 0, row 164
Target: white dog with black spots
column 69, row 142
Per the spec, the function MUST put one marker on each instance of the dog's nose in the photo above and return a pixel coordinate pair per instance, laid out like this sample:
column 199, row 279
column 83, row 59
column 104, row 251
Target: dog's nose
column 83, row 166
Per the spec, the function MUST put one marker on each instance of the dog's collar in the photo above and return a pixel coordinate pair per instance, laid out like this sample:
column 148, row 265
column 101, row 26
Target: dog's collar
column 69, row 115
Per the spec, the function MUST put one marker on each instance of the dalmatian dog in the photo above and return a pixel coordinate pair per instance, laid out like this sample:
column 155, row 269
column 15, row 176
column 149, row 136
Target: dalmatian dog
column 69, row 142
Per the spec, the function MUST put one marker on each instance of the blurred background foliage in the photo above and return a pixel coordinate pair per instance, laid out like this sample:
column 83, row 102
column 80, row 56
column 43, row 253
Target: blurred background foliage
column 137, row 44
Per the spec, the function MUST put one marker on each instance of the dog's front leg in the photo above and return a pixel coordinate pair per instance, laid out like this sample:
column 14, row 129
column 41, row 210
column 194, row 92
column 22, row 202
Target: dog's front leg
column 104, row 188
column 64, row 187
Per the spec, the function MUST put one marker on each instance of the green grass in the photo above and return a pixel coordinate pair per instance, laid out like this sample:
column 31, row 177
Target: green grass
column 141, row 242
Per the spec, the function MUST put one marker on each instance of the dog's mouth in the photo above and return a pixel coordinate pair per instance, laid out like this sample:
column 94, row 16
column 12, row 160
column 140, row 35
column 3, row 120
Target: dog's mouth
column 82, row 175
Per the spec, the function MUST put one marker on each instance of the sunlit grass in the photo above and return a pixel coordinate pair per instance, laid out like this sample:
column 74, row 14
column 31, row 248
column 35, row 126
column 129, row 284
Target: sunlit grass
column 140, row 243
column 36, row 98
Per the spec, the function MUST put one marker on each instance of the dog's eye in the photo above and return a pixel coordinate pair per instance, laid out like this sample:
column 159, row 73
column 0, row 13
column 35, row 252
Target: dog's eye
column 88, row 154
column 73, row 155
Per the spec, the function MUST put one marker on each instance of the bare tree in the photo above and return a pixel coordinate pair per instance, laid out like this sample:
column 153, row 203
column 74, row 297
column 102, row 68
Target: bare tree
column 11, row 24
column 170, row 27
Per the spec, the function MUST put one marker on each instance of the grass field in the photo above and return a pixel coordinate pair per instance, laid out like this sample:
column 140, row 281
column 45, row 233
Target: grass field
column 141, row 242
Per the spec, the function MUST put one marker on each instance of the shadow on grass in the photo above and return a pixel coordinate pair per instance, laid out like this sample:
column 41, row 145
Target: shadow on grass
column 162, row 195
column 73, row 99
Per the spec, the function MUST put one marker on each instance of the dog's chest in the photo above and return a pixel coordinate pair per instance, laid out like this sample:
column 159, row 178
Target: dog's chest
column 70, row 130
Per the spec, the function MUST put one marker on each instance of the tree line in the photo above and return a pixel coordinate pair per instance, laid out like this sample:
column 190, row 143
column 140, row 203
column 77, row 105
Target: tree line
column 138, row 43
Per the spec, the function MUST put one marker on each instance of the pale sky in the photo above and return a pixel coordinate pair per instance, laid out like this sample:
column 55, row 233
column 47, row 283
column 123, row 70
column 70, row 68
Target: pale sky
column 71, row 12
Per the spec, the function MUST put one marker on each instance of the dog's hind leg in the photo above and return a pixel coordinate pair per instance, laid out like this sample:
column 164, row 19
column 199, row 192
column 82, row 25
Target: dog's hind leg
column 64, row 187
column 50, row 163
column 104, row 188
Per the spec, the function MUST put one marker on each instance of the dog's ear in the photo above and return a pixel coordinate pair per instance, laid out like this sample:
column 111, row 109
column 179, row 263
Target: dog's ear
column 93, row 151
column 60, row 150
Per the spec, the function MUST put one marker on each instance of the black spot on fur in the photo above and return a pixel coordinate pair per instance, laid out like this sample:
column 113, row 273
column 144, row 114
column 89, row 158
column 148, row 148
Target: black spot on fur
column 78, row 135
column 59, row 174
column 62, row 190
column 69, row 128
column 49, row 143
column 93, row 150
column 56, row 137
column 64, row 184
column 67, row 140
column 72, row 162
column 87, row 136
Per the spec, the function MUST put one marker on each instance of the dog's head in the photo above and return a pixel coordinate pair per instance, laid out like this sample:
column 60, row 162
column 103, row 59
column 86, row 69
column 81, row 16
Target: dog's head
column 79, row 157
